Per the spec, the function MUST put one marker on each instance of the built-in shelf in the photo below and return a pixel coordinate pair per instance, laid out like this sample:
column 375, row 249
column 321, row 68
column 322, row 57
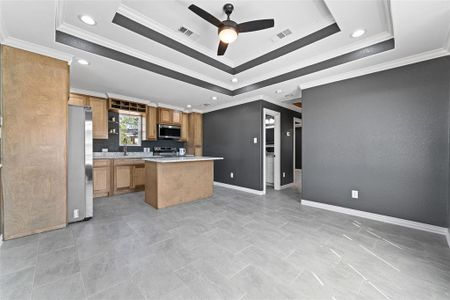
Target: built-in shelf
column 116, row 104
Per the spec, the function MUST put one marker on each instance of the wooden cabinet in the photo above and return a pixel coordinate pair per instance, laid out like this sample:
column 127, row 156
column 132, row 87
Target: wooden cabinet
column 184, row 127
column 122, row 179
column 195, row 136
column 99, row 108
column 78, row 100
column 139, row 176
column 118, row 176
column 169, row 116
column 129, row 175
column 164, row 116
column 176, row 117
column 102, row 178
column 151, row 123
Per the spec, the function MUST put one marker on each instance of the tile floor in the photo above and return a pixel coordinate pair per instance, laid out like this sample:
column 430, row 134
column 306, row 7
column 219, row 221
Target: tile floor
column 232, row 246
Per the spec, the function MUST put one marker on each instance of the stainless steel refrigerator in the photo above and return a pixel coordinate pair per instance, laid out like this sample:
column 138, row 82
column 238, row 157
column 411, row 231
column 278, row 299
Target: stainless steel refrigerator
column 79, row 164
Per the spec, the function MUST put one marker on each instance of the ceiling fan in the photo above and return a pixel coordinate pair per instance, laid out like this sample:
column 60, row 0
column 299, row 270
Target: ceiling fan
column 228, row 29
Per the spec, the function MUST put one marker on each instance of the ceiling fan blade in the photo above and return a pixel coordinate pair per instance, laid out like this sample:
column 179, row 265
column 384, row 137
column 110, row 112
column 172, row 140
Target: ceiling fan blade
column 205, row 15
column 222, row 48
column 255, row 25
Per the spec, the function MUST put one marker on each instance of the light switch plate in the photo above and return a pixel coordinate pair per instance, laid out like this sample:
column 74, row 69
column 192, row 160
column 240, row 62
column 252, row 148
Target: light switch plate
column 255, row 140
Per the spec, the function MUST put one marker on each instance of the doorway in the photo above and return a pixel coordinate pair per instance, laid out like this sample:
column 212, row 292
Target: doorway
column 297, row 144
column 271, row 149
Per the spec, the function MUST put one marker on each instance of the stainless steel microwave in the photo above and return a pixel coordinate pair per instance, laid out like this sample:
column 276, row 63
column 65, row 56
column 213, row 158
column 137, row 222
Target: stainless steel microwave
column 169, row 132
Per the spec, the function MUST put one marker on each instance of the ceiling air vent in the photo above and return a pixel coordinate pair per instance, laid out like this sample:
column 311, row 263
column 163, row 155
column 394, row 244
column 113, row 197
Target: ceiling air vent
column 187, row 32
column 281, row 35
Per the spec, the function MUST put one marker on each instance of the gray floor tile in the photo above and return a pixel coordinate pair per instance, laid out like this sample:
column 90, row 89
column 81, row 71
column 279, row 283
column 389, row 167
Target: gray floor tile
column 23, row 241
column 56, row 239
column 67, row 288
column 259, row 285
column 17, row 285
column 278, row 268
column 228, row 241
column 103, row 271
column 124, row 290
column 156, row 278
column 17, row 258
column 56, row 265
column 230, row 246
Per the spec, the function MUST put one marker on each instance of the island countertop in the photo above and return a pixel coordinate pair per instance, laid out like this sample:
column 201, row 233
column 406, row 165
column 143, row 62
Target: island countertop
column 175, row 159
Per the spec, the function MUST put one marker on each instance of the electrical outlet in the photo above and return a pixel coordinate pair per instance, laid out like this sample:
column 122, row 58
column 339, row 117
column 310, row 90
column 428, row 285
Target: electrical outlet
column 231, row 175
column 284, row 174
column 355, row 194
column 76, row 213
column 255, row 140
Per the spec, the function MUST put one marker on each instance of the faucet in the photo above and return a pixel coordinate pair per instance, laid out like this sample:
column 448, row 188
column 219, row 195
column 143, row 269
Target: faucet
column 125, row 151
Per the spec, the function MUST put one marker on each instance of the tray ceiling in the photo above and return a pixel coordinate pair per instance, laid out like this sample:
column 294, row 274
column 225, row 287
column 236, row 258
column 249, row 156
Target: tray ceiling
column 406, row 24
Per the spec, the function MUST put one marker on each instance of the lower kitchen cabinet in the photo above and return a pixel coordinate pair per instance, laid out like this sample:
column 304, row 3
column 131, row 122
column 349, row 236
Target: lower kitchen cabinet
column 118, row 176
column 139, row 176
column 122, row 179
column 102, row 178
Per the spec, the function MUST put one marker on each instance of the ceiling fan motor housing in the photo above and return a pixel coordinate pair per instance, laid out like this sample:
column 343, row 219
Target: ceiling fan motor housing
column 228, row 24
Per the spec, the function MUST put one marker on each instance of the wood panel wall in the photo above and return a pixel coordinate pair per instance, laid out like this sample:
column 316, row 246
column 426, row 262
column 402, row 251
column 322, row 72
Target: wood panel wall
column 35, row 91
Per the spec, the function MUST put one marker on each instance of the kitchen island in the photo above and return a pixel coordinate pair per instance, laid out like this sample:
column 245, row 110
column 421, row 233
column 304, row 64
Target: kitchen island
column 173, row 180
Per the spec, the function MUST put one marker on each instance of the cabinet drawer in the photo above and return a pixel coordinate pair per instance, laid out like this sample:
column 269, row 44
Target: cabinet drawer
column 128, row 162
column 101, row 163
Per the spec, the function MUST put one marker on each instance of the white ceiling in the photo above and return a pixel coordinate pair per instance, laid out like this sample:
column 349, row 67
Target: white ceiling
column 420, row 29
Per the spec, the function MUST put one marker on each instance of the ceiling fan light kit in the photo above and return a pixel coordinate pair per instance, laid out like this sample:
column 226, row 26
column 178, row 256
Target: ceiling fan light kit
column 228, row 30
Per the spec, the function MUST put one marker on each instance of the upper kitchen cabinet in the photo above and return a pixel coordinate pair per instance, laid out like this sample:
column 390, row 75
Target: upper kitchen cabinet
column 78, row 100
column 151, row 123
column 99, row 108
column 169, row 116
column 184, row 127
column 176, row 117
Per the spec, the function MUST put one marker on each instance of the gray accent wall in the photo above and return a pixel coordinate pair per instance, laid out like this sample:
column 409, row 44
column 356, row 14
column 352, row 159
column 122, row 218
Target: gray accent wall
column 384, row 134
column 229, row 133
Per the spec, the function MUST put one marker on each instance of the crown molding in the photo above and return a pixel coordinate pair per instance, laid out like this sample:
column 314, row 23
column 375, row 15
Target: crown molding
column 252, row 99
column 377, row 68
column 146, row 21
column 32, row 47
column 102, row 41
column 88, row 93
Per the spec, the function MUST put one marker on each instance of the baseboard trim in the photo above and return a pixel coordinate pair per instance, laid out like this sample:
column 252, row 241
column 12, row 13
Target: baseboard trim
column 448, row 238
column 239, row 188
column 378, row 217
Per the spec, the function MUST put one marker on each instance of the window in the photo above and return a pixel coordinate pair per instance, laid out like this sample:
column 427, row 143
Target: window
column 130, row 133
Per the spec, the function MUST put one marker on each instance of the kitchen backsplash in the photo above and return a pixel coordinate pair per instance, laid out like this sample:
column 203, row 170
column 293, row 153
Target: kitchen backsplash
column 112, row 143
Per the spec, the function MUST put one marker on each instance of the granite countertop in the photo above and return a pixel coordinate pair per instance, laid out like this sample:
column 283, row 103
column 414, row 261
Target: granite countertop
column 181, row 159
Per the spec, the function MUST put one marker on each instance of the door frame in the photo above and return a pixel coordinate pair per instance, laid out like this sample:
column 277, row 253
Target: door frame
column 277, row 148
column 294, row 141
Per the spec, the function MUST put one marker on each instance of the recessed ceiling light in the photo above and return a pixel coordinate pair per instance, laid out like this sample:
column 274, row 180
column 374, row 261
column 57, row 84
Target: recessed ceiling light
column 188, row 106
column 234, row 80
column 214, row 97
column 83, row 62
column 278, row 91
column 358, row 32
column 87, row 20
